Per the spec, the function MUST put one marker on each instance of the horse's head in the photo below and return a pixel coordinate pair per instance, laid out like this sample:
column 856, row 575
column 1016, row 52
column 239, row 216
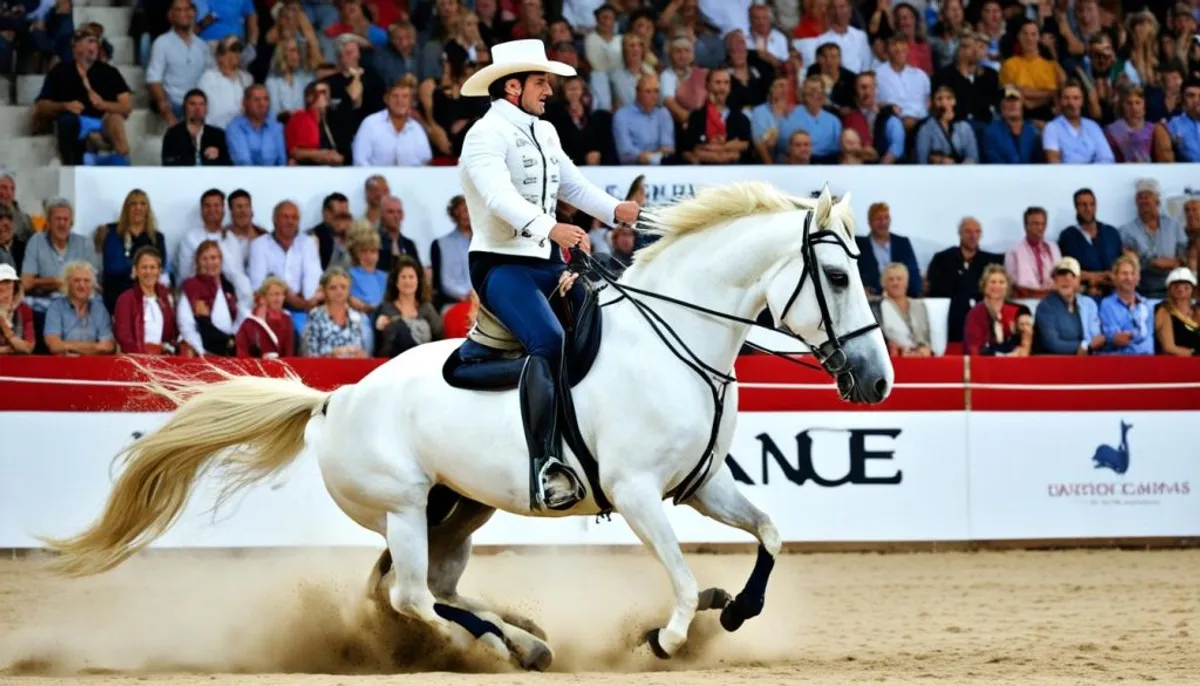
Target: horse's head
column 817, row 294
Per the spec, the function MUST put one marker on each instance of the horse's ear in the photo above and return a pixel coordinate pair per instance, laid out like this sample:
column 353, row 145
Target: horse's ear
column 824, row 206
column 845, row 201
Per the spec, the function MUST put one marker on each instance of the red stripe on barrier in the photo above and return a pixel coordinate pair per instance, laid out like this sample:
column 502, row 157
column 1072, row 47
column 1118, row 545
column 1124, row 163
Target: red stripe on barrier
column 1084, row 371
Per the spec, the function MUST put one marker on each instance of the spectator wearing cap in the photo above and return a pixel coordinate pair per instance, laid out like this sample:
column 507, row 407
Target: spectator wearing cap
column 1125, row 316
column 221, row 19
column 16, row 319
column 313, row 135
column 856, row 50
column 903, row 85
column 879, row 128
column 643, row 130
column 88, row 100
column 225, row 83
column 880, row 247
column 48, row 253
column 78, row 324
column 1179, row 139
column 1012, row 139
column 22, row 223
column 1092, row 243
column 255, row 139
column 1031, row 260
column 12, row 248
column 955, row 273
column 717, row 133
column 394, row 136
column 682, row 81
column 811, row 116
column 193, row 143
column 1156, row 237
column 941, row 139
column 1176, row 318
column 602, row 43
column 976, row 87
column 1067, row 322
column 178, row 58
column 1071, row 138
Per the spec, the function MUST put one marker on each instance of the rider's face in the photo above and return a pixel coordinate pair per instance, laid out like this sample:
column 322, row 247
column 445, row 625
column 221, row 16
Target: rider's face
column 534, row 94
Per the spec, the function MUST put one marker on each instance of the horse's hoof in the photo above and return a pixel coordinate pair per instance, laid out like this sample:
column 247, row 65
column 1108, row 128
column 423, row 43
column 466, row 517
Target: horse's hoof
column 713, row 599
column 525, row 624
column 655, row 646
column 538, row 659
column 732, row 617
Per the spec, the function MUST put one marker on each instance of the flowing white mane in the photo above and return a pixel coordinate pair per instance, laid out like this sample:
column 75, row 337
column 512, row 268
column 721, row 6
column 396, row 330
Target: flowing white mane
column 715, row 205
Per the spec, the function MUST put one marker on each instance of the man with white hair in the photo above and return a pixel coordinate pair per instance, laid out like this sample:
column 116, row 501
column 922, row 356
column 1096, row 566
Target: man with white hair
column 513, row 171
column 78, row 324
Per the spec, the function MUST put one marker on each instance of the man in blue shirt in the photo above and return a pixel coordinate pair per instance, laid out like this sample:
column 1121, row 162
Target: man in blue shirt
column 1184, row 129
column 254, row 139
column 1071, row 138
column 643, row 130
column 1011, row 139
column 1093, row 243
column 1125, row 316
column 1067, row 322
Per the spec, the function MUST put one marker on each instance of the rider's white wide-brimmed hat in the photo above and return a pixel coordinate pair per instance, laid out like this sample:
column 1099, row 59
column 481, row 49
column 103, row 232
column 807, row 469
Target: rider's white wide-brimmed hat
column 514, row 57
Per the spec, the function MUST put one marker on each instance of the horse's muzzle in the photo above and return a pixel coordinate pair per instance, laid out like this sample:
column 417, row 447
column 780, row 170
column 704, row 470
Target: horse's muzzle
column 850, row 389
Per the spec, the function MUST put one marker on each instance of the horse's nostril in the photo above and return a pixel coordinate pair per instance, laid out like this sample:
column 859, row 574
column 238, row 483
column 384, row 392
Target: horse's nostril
column 880, row 388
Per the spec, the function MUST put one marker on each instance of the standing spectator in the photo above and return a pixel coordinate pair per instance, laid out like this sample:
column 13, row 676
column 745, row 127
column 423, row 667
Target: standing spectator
column 12, row 249
column 193, row 143
column 940, row 139
column 119, row 241
column 1067, row 322
column 331, row 233
column 255, row 140
column 178, row 59
column 1036, row 77
column 287, row 81
column 406, row 318
column 879, row 128
column 1130, row 137
column 956, row 273
column 212, row 217
column 290, row 255
column 997, row 326
column 856, row 50
column 448, row 257
column 902, row 85
column 392, row 240
column 393, row 137
column 1125, row 316
column 976, row 87
column 904, row 320
column 16, row 319
column 1092, row 243
column 1032, row 259
column 267, row 332
column 881, row 247
column 88, row 101
column 1012, row 139
column 334, row 329
column 1179, row 140
column 718, row 134
column 643, row 129
column 367, row 281
column 22, row 224
column 49, row 252
column 602, row 46
column 1156, row 237
column 225, row 83
column 313, row 138
column 811, row 116
column 78, row 324
column 144, row 318
column 1071, row 138
column 1177, row 318
column 207, row 311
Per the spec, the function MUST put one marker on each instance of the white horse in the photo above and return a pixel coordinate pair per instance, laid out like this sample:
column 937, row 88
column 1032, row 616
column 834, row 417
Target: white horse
column 384, row 443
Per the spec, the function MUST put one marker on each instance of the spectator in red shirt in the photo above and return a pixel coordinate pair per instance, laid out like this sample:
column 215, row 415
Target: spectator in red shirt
column 144, row 320
column 998, row 326
column 16, row 318
column 267, row 332
column 311, row 137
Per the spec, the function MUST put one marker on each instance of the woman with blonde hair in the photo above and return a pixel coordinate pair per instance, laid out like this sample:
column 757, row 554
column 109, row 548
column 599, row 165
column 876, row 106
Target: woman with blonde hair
column 334, row 329
column 292, row 24
column 997, row 326
column 267, row 332
column 623, row 80
column 118, row 242
column 1142, row 67
column 290, row 74
column 1177, row 318
column 904, row 320
column 367, row 283
column 207, row 310
column 407, row 317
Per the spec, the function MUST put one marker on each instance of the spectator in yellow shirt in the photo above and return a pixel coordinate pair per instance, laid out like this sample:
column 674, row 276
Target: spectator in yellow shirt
column 1038, row 78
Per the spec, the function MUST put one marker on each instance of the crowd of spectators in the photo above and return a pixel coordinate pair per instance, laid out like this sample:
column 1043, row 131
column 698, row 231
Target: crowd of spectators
column 311, row 82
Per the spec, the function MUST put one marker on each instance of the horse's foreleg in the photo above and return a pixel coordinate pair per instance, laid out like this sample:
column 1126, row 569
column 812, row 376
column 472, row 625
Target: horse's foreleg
column 641, row 506
column 721, row 500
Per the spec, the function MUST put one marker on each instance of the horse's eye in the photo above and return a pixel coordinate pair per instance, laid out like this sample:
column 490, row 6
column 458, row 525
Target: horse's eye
column 838, row 279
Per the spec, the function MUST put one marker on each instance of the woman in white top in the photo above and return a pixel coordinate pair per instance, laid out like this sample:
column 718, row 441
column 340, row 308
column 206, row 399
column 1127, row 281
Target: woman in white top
column 225, row 84
column 289, row 76
column 904, row 320
column 207, row 310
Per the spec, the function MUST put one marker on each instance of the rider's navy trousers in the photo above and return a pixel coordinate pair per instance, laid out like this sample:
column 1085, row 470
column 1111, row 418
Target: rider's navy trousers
column 518, row 294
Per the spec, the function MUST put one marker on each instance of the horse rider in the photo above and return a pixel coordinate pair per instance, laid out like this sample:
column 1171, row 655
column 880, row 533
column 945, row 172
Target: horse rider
column 513, row 171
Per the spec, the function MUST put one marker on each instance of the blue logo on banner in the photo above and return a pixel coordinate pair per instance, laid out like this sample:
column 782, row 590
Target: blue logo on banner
column 1116, row 459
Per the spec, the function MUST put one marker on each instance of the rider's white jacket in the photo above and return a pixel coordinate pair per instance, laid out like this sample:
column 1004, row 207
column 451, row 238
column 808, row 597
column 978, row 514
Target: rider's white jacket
column 513, row 171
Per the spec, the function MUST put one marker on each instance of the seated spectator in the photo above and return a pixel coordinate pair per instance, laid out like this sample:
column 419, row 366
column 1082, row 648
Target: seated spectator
column 212, row 214
column 976, row 87
column 586, row 135
column 1176, row 318
column 1012, row 139
column 852, row 150
column 207, row 311
column 1066, row 321
column 290, row 255
column 1071, row 138
column 682, row 82
column 903, row 85
column 1125, row 316
column 354, row 92
column 406, row 318
column 768, row 42
column 799, row 150
column 241, row 223
column 12, row 247
column 640, row 22
column 766, row 119
column 1165, row 102
column 810, row 115
column 50, row 32
column 230, row 19
column 643, row 130
column 904, row 320
column 622, row 242
column 78, row 324
column 717, row 133
column 947, row 35
column 118, row 241
column 255, row 139
column 88, row 101
column 879, row 128
column 1032, row 259
column 1130, row 137
column 22, row 223
column 1158, row 239
column 144, row 318
column 267, row 331
column 997, row 326
column 856, row 50
column 1038, row 78
column 334, row 329
column 332, row 232
column 750, row 76
column 16, row 319
column 992, row 30
column 288, row 78
column 293, row 27
column 448, row 257
column 1179, row 139
column 1092, row 243
column 940, row 139
column 623, row 81
column 880, row 248
column 312, row 136
column 178, row 58
column 367, row 282
column 191, row 142
column 467, row 44
column 840, row 95
column 1191, row 227
column 399, row 57
column 225, row 83
column 448, row 115
column 955, row 273
column 354, row 23
column 391, row 235
column 393, row 137
column 49, row 251
column 602, row 45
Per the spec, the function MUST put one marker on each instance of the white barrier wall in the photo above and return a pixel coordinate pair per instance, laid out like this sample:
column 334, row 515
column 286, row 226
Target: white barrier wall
column 824, row 476
column 926, row 202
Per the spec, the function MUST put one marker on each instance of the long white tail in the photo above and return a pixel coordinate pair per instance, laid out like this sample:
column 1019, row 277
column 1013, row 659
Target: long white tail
column 249, row 426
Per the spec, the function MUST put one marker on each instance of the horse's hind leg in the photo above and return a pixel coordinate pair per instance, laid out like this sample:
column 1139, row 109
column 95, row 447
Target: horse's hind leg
column 721, row 500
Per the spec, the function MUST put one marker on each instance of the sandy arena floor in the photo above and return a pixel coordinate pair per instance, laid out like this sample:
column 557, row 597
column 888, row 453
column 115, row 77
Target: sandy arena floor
column 925, row 618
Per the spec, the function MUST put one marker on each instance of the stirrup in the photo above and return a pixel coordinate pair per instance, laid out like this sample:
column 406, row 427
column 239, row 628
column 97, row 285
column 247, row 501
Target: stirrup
column 558, row 499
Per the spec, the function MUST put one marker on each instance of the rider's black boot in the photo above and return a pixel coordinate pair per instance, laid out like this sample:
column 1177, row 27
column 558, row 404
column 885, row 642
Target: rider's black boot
column 552, row 483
